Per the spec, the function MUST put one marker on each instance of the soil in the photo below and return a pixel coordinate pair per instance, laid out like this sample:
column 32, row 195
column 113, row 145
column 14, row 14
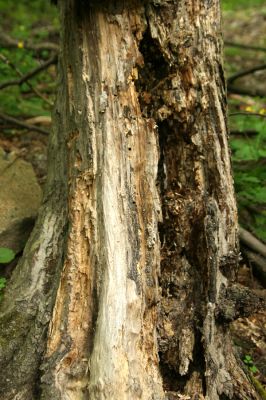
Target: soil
column 30, row 146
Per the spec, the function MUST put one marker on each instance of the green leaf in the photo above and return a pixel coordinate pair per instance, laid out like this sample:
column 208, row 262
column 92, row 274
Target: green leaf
column 247, row 359
column 250, row 179
column 2, row 283
column 260, row 232
column 6, row 255
column 260, row 195
column 253, row 369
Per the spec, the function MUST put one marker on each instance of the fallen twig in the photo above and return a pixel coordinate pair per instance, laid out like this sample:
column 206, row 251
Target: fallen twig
column 245, row 92
column 252, row 242
column 19, row 73
column 30, row 74
column 251, row 114
column 9, row 42
column 49, row 29
column 22, row 124
column 40, row 120
column 244, row 46
column 245, row 72
column 248, row 132
column 250, row 164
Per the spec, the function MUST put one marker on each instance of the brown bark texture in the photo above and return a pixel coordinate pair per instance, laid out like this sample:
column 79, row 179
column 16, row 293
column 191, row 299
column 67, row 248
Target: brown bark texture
column 124, row 290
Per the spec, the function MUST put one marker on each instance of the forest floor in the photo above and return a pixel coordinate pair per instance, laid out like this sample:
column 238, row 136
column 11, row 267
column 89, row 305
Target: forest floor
column 242, row 25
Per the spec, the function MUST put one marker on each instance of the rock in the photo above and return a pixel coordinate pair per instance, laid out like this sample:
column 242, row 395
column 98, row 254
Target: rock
column 20, row 199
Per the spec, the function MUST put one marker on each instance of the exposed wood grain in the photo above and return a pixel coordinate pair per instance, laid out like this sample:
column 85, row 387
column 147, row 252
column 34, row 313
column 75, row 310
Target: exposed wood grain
column 140, row 185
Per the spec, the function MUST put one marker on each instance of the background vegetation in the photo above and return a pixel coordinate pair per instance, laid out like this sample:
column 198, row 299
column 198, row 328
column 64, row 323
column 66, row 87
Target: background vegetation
column 29, row 37
column 29, row 24
column 244, row 23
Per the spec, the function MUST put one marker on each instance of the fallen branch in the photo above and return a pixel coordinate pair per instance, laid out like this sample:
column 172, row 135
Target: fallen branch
column 258, row 208
column 248, row 71
column 30, row 74
column 49, row 29
column 252, row 242
column 244, row 46
column 244, row 165
column 245, row 92
column 9, row 42
column 248, row 132
column 40, row 120
column 251, row 114
column 22, row 124
column 19, row 73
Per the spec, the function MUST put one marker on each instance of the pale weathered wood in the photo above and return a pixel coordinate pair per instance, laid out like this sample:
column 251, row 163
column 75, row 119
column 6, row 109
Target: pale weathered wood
column 146, row 209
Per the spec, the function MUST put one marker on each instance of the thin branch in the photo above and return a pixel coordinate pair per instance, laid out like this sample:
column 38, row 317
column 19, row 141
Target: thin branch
column 252, row 242
column 248, row 71
column 249, row 164
column 40, row 119
column 22, row 124
column 245, row 92
column 8, row 42
column 249, row 132
column 19, row 73
column 244, row 46
column 10, row 64
column 49, row 29
column 251, row 114
column 30, row 74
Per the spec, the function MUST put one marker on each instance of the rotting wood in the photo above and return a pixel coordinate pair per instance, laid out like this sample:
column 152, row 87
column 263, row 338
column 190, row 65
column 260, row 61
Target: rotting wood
column 139, row 154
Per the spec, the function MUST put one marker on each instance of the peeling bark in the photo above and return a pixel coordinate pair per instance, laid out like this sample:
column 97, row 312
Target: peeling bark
column 137, row 238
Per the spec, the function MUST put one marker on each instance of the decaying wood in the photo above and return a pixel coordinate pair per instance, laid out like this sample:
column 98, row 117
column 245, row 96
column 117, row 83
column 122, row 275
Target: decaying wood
column 137, row 238
column 239, row 301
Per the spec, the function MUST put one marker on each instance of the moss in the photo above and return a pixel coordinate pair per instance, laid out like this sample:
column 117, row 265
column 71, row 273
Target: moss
column 259, row 388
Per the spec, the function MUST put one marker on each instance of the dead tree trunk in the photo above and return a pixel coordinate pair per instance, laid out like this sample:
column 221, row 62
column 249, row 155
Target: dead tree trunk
column 123, row 291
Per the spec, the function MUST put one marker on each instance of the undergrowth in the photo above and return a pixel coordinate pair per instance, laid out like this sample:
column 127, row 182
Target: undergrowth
column 248, row 144
column 26, row 21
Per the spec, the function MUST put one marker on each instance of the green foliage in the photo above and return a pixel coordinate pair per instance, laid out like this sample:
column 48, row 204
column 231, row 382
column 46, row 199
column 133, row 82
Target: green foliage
column 260, row 389
column 2, row 286
column 15, row 21
column 248, row 133
column 2, row 283
column 6, row 255
column 231, row 5
column 249, row 162
column 250, row 364
column 22, row 15
column 253, row 370
column 13, row 103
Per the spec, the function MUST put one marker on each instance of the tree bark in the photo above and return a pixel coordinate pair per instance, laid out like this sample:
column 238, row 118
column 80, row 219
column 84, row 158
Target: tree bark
column 117, row 295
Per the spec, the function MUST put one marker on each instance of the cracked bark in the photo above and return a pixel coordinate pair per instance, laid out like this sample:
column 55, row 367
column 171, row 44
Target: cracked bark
column 117, row 294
